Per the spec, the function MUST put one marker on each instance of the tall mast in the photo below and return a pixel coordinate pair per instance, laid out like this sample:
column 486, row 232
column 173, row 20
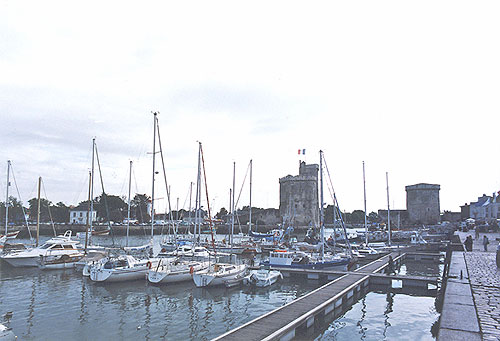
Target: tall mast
column 233, row 206
column 364, row 191
column 92, row 191
column 190, row 197
column 88, row 215
column 153, row 182
column 388, row 209
column 198, row 196
column 128, row 207
column 38, row 212
column 250, row 211
column 321, row 213
column 208, row 202
column 7, row 198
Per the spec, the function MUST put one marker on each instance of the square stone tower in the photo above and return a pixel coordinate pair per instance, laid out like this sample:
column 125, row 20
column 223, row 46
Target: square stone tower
column 422, row 203
column 299, row 196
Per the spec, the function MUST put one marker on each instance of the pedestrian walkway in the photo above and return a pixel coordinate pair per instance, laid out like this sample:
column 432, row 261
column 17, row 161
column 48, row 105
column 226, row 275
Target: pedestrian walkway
column 485, row 282
column 484, row 278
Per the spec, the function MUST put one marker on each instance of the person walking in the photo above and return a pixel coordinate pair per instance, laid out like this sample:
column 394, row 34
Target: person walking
column 498, row 255
column 468, row 243
column 485, row 243
column 477, row 232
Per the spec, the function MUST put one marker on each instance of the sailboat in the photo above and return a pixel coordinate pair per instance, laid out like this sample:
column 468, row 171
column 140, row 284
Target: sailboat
column 192, row 257
column 59, row 247
column 126, row 267
column 217, row 273
column 7, row 235
column 179, row 270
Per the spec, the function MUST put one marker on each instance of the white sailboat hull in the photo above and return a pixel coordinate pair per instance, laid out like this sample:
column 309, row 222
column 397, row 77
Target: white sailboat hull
column 118, row 275
column 20, row 262
column 174, row 275
column 213, row 278
column 121, row 274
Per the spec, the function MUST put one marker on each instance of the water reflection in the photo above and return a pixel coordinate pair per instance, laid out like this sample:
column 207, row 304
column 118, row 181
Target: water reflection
column 390, row 301
column 64, row 305
column 362, row 330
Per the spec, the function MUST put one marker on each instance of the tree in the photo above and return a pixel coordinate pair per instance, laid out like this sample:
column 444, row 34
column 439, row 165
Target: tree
column 139, row 207
column 222, row 213
column 373, row 217
column 60, row 212
column 16, row 215
column 111, row 206
column 44, row 209
column 357, row 217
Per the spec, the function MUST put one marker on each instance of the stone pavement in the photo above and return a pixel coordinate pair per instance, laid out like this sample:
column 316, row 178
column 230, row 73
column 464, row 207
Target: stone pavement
column 484, row 278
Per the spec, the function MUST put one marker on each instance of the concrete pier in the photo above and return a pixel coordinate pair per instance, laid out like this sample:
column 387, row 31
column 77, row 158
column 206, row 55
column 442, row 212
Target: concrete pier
column 471, row 306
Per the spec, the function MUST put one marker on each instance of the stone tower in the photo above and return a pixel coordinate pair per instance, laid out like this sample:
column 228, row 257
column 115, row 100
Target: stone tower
column 422, row 203
column 299, row 196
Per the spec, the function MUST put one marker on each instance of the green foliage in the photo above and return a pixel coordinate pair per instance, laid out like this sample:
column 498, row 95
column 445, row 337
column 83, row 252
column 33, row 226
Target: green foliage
column 222, row 213
column 139, row 208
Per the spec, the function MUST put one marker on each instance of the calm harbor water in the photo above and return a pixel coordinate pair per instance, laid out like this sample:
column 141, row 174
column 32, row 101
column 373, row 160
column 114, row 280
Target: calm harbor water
column 61, row 304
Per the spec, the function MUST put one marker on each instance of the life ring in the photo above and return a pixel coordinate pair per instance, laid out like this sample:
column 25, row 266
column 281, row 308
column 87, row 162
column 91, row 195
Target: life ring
column 148, row 264
column 191, row 270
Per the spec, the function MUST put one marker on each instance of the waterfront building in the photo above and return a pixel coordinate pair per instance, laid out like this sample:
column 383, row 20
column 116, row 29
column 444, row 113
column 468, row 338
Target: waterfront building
column 422, row 203
column 485, row 208
column 78, row 215
column 299, row 196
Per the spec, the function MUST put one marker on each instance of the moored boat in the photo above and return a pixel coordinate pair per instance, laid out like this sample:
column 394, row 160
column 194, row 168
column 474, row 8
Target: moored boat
column 121, row 268
column 218, row 274
column 57, row 246
column 302, row 260
column 49, row 262
column 262, row 277
column 176, row 271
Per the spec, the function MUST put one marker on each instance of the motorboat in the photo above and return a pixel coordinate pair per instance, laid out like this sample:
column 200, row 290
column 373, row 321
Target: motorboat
column 218, row 274
column 262, row 277
column 302, row 260
column 50, row 262
column 176, row 271
column 57, row 246
column 121, row 268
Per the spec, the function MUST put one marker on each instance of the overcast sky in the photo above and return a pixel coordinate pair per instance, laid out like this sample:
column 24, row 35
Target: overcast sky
column 411, row 88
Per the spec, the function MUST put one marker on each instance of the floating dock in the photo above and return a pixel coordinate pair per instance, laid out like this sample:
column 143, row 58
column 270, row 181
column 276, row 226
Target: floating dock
column 330, row 299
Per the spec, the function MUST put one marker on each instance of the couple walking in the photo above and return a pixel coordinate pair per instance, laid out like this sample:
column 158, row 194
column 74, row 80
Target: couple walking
column 468, row 243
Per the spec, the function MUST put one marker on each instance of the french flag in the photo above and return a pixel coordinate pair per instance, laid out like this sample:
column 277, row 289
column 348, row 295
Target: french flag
column 302, row 151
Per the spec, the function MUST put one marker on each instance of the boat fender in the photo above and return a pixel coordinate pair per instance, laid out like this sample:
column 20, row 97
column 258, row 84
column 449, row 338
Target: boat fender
column 148, row 264
column 191, row 270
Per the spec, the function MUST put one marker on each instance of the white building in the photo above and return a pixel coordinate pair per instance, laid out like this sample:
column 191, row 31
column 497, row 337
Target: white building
column 78, row 215
column 486, row 207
